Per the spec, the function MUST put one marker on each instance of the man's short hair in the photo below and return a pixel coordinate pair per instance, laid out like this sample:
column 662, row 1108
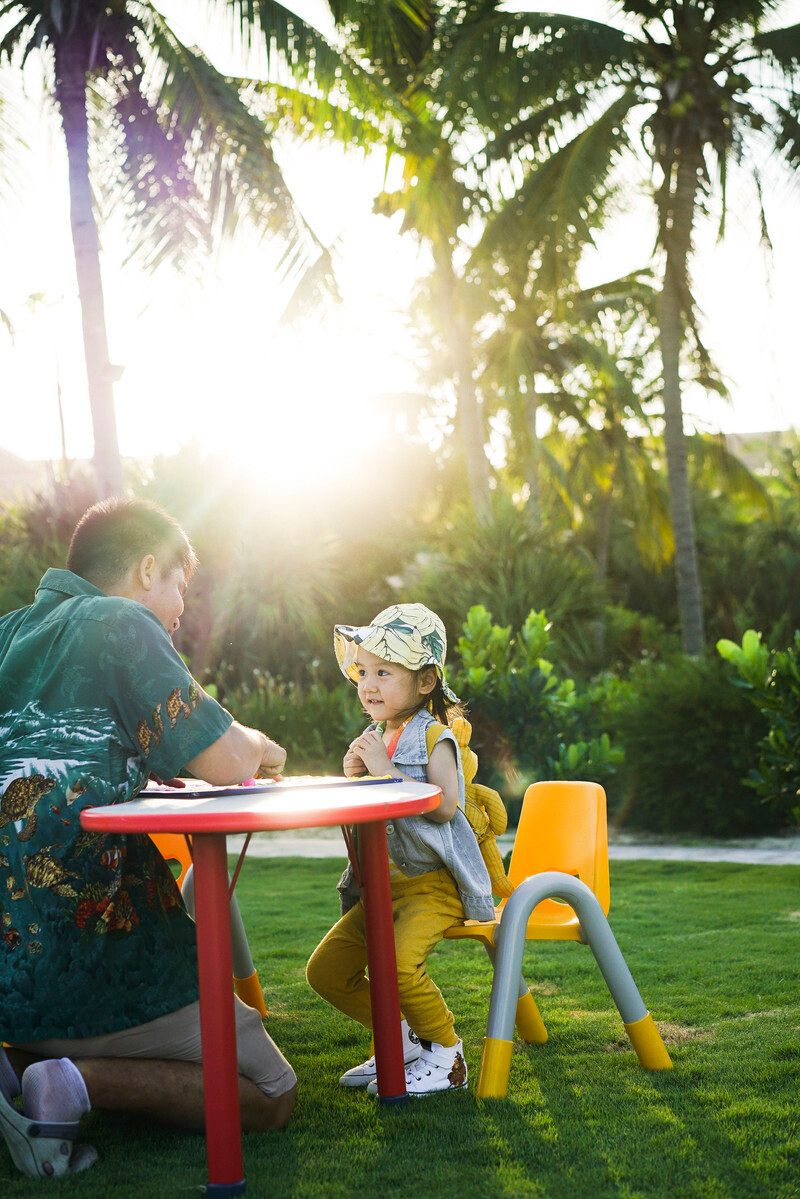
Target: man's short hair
column 116, row 534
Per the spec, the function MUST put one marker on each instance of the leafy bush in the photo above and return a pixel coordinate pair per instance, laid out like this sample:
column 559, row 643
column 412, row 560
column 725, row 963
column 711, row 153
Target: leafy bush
column 528, row 724
column 36, row 535
column 631, row 637
column 509, row 566
column 771, row 681
column 689, row 740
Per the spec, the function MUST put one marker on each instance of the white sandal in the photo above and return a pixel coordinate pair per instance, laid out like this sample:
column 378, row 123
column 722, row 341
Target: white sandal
column 39, row 1148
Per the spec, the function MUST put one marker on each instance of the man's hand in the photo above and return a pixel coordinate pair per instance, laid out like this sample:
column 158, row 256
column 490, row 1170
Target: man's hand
column 272, row 761
column 239, row 754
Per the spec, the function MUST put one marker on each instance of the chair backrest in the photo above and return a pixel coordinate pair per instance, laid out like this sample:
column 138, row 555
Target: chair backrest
column 173, row 846
column 563, row 826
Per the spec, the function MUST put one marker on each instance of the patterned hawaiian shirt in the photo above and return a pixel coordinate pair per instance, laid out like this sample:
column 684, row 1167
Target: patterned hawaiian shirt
column 93, row 697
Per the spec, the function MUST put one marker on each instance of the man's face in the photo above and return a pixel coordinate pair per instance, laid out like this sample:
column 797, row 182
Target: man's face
column 165, row 597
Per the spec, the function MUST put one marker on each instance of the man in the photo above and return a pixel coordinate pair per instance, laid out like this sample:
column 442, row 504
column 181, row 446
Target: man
column 98, row 958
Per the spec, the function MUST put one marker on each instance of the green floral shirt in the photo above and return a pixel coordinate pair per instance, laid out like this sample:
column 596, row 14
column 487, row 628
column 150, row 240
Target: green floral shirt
column 93, row 697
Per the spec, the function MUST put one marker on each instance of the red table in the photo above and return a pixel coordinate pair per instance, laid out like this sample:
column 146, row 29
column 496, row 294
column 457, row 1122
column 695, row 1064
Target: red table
column 208, row 814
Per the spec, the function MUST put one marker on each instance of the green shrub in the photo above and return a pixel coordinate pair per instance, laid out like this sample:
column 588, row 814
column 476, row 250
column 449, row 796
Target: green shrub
column 632, row 637
column 528, row 723
column 689, row 740
column 36, row 534
column 509, row 566
column 771, row 682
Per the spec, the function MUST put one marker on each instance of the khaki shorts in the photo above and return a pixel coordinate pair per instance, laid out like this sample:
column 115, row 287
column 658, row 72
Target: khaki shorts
column 176, row 1037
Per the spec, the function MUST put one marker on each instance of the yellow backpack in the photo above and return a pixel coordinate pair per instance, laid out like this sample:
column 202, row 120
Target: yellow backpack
column 483, row 807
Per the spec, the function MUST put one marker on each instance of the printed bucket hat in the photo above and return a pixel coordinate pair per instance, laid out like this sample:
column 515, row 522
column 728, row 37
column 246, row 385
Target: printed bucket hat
column 407, row 634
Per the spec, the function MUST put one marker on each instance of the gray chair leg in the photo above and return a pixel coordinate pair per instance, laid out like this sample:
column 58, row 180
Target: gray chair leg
column 243, row 968
column 510, row 945
column 526, row 1016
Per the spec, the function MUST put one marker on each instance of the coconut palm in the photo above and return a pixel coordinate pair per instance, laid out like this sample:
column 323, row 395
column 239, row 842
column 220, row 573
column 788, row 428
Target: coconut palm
column 449, row 193
column 388, row 96
column 152, row 123
column 691, row 87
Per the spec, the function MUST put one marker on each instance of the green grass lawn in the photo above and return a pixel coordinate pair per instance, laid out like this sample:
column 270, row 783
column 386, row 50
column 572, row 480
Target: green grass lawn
column 714, row 950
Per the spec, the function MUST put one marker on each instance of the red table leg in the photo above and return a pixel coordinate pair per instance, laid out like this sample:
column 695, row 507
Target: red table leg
column 217, row 1021
column 379, row 929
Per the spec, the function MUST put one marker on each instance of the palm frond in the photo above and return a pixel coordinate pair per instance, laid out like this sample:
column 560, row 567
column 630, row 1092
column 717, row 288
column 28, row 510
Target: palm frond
column 500, row 63
column 313, row 116
column 713, row 458
column 561, row 200
column 315, row 288
column 785, row 133
column 539, row 130
column 356, row 72
column 433, row 199
column 285, row 38
column 19, row 39
column 393, row 35
column 637, row 288
column 138, row 169
column 781, row 47
column 224, row 147
column 12, row 141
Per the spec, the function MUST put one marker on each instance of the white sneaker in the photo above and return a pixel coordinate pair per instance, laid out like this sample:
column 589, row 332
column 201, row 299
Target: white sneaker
column 363, row 1075
column 438, row 1068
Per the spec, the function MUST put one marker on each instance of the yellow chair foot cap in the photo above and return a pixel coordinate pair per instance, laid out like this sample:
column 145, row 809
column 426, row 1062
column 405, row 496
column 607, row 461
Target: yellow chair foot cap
column 529, row 1021
column 249, row 991
column 646, row 1040
column 495, row 1065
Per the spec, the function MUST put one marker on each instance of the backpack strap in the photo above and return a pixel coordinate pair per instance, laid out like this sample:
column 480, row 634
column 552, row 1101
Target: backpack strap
column 432, row 735
column 483, row 807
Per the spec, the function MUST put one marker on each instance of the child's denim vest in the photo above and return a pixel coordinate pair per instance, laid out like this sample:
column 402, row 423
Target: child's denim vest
column 417, row 845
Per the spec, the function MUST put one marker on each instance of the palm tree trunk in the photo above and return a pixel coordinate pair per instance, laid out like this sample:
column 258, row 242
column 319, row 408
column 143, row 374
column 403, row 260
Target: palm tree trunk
column 473, row 434
column 602, row 554
column 468, row 417
column 678, row 241
column 71, row 61
column 532, row 456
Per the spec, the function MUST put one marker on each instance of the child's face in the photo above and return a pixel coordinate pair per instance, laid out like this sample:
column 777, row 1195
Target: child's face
column 388, row 692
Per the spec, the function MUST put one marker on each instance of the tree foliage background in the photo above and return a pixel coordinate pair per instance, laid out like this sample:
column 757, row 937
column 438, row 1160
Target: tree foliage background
column 564, row 493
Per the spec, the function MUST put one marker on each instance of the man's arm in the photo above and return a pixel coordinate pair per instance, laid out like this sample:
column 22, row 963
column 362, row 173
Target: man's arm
column 239, row 754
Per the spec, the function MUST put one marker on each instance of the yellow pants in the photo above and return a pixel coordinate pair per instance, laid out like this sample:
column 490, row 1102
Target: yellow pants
column 422, row 909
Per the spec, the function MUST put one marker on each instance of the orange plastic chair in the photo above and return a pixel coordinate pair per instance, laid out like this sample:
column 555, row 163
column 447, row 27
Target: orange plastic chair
column 562, row 827
column 177, row 847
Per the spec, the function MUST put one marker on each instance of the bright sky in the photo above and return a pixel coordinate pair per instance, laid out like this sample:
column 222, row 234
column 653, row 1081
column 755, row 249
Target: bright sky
column 210, row 362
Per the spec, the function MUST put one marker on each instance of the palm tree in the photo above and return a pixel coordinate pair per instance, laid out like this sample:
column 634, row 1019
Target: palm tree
column 388, row 95
column 696, row 84
column 175, row 144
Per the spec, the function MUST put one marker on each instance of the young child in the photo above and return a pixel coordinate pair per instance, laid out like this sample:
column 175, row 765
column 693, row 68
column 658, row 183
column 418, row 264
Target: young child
column 438, row 876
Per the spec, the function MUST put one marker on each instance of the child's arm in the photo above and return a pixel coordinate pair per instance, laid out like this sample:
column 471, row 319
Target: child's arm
column 443, row 773
column 370, row 750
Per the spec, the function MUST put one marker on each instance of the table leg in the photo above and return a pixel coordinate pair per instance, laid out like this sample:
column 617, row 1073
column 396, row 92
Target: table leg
column 379, row 929
column 217, row 1021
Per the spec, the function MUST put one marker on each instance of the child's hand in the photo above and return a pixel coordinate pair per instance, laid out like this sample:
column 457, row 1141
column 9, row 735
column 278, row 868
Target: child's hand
column 353, row 764
column 369, row 747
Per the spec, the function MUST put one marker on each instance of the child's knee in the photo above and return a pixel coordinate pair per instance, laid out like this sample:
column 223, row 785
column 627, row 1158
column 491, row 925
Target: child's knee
column 316, row 976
